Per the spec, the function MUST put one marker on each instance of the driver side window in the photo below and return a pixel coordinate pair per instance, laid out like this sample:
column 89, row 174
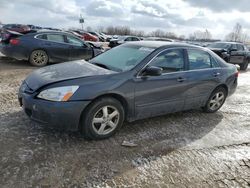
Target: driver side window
column 169, row 61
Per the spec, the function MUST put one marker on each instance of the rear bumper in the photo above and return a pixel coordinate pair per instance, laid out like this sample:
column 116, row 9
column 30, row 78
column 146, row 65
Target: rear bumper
column 16, row 52
column 58, row 115
column 232, row 87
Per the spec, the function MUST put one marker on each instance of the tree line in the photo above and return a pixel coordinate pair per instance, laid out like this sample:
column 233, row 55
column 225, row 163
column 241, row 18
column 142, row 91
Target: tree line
column 236, row 35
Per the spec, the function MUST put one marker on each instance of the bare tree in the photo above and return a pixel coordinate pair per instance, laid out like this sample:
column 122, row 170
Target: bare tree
column 157, row 33
column 89, row 28
column 201, row 35
column 237, row 34
column 182, row 37
column 100, row 29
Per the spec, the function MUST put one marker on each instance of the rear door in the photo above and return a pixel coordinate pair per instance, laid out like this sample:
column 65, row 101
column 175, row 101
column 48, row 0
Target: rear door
column 203, row 76
column 238, row 57
column 78, row 49
column 56, row 47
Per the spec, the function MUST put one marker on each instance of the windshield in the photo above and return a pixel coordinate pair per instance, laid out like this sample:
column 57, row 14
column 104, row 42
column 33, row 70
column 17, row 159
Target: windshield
column 122, row 58
column 219, row 45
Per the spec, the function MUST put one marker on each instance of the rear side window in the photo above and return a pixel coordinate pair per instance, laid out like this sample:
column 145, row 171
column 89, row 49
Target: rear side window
column 41, row 36
column 135, row 39
column 128, row 39
column 234, row 46
column 55, row 38
column 240, row 47
column 74, row 41
column 199, row 59
column 169, row 61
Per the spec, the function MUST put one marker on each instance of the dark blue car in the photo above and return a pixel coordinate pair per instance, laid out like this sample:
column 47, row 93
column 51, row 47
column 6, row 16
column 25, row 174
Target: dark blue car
column 130, row 82
column 42, row 47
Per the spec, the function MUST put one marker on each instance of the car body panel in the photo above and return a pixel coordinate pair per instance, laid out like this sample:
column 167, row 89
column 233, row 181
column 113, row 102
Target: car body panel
column 57, row 51
column 141, row 96
column 158, row 95
column 200, row 85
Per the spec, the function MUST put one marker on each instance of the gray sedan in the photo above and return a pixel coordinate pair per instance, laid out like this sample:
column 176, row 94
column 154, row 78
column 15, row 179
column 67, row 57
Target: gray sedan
column 133, row 81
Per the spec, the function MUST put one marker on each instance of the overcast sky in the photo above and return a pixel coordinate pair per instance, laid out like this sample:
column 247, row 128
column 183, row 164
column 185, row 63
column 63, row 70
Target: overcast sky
column 179, row 16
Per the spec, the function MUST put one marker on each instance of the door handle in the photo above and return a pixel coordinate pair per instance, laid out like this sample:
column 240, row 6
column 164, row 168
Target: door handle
column 180, row 79
column 216, row 74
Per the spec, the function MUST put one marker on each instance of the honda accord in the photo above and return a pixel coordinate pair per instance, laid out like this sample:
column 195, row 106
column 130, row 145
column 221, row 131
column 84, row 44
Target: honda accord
column 133, row 81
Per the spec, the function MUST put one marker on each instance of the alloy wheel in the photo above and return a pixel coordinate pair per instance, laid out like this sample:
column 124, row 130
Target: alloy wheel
column 105, row 120
column 39, row 57
column 216, row 101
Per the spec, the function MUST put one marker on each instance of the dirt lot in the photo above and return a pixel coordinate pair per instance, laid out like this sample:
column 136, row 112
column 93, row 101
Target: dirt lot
column 189, row 149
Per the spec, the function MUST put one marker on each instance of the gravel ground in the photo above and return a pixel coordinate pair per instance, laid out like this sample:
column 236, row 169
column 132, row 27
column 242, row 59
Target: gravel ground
column 188, row 149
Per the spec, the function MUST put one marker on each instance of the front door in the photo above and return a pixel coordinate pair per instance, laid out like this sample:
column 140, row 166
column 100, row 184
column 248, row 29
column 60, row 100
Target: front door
column 156, row 95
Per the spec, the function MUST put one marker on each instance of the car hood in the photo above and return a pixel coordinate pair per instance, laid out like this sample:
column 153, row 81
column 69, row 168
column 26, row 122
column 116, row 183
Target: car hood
column 62, row 72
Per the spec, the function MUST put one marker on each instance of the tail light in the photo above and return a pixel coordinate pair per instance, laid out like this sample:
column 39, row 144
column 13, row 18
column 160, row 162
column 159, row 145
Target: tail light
column 14, row 41
column 237, row 74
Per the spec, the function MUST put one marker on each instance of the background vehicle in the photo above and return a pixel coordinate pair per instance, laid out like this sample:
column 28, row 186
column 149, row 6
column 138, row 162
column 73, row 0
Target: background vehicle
column 158, row 39
column 107, row 37
column 43, row 47
column 17, row 27
column 100, row 37
column 122, row 39
column 133, row 81
column 87, row 36
column 232, row 52
column 7, row 35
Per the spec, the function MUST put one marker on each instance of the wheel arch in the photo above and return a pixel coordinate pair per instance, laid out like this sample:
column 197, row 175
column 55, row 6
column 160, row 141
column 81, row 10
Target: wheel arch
column 116, row 96
column 223, row 86
column 31, row 51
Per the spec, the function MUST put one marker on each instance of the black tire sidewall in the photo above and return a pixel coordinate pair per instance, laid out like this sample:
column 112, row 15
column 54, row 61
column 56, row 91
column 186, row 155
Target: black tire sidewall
column 219, row 89
column 244, row 66
column 86, row 123
column 33, row 63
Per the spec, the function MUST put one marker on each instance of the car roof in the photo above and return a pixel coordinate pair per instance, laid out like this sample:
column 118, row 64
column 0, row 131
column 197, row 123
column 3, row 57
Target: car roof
column 44, row 31
column 158, row 44
column 228, row 42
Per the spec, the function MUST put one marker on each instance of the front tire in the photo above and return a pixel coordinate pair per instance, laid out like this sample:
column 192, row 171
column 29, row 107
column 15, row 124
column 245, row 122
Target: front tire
column 216, row 100
column 102, row 119
column 39, row 58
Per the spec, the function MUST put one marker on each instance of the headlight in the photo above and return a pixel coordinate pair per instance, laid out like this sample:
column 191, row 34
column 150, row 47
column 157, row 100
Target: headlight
column 58, row 93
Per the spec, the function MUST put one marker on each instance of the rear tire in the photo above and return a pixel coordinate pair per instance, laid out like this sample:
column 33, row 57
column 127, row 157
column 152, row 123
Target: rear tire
column 102, row 119
column 244, row 66
column 216, row 100
column 39, row 58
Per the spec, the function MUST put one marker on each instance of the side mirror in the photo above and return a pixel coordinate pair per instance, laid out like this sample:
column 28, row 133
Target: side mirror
column 152, row 71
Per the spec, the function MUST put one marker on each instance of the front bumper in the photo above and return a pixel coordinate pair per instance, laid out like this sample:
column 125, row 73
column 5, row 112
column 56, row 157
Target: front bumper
column 58, row 115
